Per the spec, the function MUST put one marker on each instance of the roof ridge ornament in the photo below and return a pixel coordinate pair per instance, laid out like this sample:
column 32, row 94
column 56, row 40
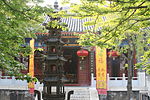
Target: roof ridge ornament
column 56, row 5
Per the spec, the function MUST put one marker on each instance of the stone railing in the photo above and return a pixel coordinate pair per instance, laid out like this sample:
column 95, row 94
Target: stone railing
column 7, row 82
column 113, row 83
column 120, row 83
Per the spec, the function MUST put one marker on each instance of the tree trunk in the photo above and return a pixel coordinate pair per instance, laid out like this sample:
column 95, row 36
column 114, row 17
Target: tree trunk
column 130, row 74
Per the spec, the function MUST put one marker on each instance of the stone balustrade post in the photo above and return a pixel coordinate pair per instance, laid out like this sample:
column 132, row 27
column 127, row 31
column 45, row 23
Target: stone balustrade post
column 124, row 82
column 108, row 80
column 141, row 79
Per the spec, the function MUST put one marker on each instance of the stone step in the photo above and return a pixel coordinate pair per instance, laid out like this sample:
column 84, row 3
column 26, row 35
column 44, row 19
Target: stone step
column 80, row 95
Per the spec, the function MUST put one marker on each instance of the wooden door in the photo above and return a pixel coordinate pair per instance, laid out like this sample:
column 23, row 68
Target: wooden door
column 84, row 72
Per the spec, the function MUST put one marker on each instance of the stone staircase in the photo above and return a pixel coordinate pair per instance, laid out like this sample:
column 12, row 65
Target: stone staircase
column 82, row 93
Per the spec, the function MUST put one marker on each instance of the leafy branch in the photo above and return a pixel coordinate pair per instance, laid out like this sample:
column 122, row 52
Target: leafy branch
column 4, row 1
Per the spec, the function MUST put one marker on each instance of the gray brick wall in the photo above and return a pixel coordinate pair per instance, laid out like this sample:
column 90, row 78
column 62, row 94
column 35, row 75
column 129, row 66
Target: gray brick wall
column 15, row 95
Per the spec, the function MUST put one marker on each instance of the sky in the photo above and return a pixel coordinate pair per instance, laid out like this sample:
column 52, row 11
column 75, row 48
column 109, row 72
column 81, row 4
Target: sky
column 51, row 2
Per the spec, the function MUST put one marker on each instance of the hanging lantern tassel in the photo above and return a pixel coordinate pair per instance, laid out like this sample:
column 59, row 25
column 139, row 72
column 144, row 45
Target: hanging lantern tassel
column 113, row 58
column 82, row 57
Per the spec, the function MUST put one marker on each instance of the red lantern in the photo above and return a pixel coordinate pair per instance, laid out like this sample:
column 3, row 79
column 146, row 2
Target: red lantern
column 113, row 54
column 82, row 53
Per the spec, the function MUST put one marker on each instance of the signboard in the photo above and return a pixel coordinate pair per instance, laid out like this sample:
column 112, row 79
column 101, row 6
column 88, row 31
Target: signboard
column 101, row 71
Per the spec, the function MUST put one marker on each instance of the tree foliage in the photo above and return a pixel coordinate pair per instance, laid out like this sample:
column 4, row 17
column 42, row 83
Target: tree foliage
column 119, row 20
column 18, row 21
column 123, row 24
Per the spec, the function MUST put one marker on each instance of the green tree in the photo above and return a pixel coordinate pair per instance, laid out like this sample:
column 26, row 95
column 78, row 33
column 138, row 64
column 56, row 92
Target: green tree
column 120, row 20
column 18, row 21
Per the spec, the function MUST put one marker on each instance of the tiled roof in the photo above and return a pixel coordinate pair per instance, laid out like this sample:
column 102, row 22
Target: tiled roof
column 74, row 24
